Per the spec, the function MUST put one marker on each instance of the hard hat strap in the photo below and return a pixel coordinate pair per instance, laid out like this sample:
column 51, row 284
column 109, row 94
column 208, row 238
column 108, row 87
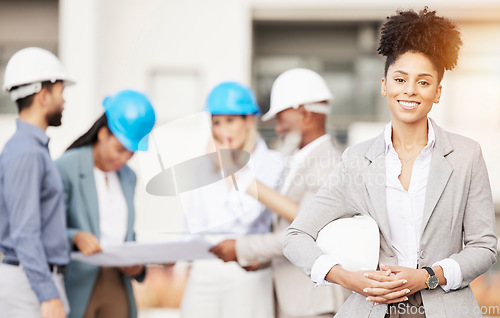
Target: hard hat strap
column 25, row 90
column 320, row 108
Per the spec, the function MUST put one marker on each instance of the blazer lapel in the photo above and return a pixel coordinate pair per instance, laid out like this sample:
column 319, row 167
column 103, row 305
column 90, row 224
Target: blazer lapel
column 127, row 185
column 88, row 189
column 374, row 179
column 439, row 172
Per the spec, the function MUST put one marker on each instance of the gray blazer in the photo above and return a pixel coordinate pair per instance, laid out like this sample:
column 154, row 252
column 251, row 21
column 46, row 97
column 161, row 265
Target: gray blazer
column 458, row 221
column 296, row 293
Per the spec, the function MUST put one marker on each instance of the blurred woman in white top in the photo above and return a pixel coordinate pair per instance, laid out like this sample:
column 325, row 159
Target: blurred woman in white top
column 223, row 210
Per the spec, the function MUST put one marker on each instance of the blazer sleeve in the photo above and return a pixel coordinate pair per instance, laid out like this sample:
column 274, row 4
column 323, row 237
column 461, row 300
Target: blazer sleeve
column 327, row 205
column 133, row 182
column 142, row 276
column 259, row 248
column 71, row 232
column 480, row 241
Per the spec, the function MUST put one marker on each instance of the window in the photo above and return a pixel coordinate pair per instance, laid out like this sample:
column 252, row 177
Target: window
column 344, row 53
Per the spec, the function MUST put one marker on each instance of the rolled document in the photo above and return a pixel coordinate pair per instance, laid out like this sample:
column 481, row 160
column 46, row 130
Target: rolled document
column 134, row 253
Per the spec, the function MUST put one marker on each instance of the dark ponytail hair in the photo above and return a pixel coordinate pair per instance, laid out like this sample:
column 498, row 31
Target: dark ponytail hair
column 90, row 137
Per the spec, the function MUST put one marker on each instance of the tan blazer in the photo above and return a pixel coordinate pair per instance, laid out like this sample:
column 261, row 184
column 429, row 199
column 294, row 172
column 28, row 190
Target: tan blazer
column 458, row 220
column 296, row 293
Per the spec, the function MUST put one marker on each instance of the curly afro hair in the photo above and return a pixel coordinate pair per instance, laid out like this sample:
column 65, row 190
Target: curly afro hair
column 424, row 32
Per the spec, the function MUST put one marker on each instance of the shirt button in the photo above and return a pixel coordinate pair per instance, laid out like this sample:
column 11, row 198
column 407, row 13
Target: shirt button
column 422, row 254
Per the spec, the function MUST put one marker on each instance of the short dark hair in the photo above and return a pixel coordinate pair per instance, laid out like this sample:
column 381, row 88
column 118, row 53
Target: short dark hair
column 26, row 102
column 436, row 37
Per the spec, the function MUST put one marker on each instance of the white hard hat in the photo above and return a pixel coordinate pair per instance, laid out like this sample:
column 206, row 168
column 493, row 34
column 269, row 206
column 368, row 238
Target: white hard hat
column 297, row 87
column 33, row 66
column 353, row 242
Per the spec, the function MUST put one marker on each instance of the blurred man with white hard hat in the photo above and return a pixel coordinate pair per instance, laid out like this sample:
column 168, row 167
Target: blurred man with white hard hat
column 34, row 249
column 300, row 102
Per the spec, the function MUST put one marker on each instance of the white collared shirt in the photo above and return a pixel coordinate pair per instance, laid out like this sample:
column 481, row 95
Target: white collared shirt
column 223, row 211
column 405, row 213
column 405, row 209
column 113, row 210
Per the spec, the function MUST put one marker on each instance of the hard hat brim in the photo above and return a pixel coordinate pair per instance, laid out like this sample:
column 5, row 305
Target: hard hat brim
column 268, row 116
column 67, row 82
column 131, row 145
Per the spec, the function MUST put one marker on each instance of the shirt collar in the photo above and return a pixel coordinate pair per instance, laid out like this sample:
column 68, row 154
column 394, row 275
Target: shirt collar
column 34, row 131
column 260, row 148
column 307, row 149
column 431, row 136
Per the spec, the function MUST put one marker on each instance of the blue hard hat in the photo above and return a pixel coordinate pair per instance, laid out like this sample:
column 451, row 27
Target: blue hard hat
column 131, row 117
column 231, row 98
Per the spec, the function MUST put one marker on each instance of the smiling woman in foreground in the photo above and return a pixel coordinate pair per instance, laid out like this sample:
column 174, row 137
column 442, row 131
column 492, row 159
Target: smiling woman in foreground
column 426, row 188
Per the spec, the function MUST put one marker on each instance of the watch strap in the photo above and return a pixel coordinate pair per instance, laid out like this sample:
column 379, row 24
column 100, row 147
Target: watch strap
column 429, row 270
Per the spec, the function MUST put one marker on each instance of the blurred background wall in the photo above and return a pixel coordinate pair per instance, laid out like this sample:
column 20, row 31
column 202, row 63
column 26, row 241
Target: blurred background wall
column 176, row 51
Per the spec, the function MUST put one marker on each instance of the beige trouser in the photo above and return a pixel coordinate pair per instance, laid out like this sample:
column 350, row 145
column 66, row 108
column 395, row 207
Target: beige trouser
column 109, row 298
column 412, row 308
column 17, row 299
column 224, row 290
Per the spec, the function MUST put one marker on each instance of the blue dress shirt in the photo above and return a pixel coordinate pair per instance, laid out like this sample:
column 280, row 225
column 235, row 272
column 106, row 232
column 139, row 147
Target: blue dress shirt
column 32, row 215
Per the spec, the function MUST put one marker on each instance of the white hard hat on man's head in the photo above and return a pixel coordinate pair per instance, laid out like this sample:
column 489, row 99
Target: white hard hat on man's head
column 297, row 87
column 28, row 68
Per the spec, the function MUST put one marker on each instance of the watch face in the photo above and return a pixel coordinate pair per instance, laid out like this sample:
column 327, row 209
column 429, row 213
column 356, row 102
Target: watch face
column 432, row 282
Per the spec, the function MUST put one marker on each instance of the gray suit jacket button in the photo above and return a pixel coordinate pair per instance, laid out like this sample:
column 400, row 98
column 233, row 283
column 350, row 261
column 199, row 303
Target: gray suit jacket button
column 422, row 254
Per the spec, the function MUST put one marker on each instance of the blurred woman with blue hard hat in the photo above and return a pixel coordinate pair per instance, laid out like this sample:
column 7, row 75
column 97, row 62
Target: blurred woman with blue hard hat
column 233, row 108
column 99, row 197
column 224, row 210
